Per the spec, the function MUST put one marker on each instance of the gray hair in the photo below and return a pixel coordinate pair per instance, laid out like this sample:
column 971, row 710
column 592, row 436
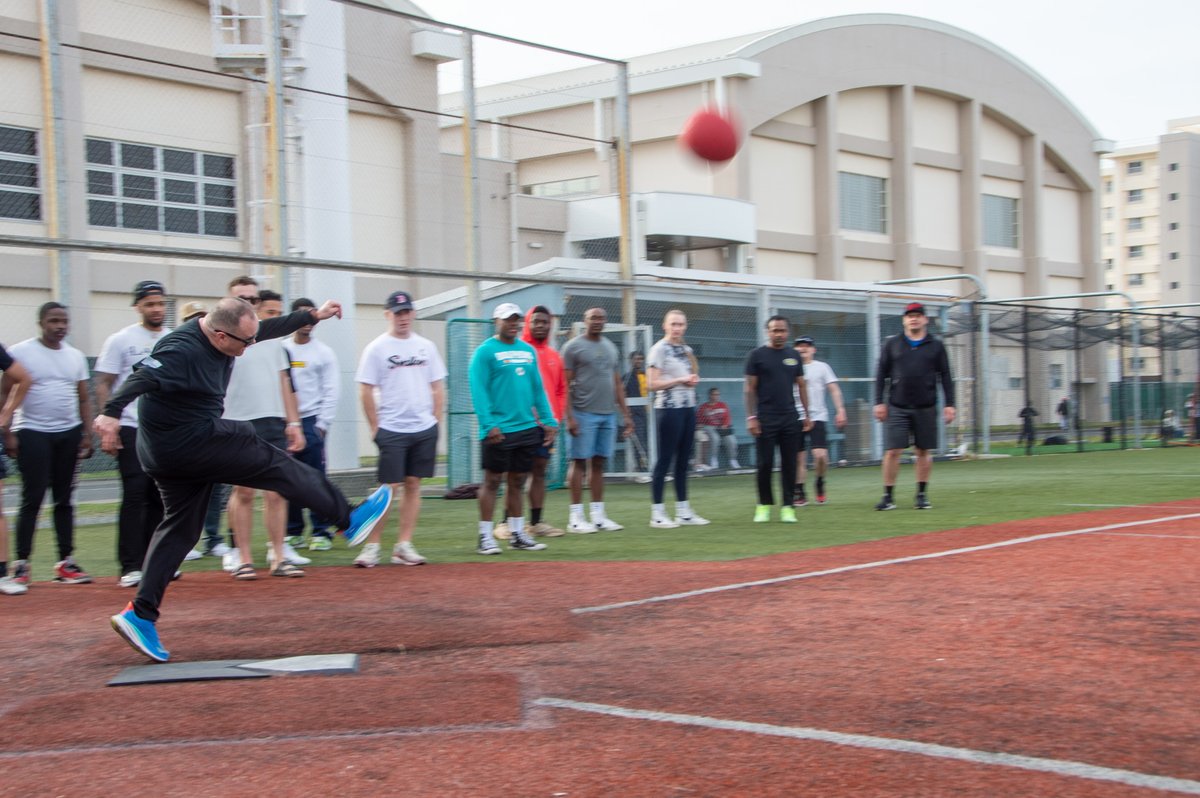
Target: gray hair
column 229, row 312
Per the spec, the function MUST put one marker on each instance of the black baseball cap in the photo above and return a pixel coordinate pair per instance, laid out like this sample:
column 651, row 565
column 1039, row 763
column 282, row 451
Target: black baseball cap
column 914, row 307
column 804, row 339
column 147, row 288
column 399, row 300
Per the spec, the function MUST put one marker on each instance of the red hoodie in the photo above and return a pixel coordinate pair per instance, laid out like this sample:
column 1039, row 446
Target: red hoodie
column 550, row 367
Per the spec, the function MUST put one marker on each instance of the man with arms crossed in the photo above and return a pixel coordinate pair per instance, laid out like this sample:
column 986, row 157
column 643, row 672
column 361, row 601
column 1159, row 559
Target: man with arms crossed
column 187, row 448
column 818, row 376
column 141, row 506
column 595, row 391
column 401, row 383
column 260, row 392
column 515, row 422
column 318, row 383
column 910, row 366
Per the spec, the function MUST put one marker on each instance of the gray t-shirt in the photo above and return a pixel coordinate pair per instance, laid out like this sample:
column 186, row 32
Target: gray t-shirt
column 594, row 363
column 672, row 360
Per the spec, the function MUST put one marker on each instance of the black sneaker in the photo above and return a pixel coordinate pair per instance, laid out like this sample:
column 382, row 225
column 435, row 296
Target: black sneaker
column 922, row 502
column 886, row 503
column 522, row 542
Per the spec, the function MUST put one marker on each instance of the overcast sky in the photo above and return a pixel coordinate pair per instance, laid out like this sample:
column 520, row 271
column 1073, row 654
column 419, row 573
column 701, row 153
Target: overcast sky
column 1127, row 66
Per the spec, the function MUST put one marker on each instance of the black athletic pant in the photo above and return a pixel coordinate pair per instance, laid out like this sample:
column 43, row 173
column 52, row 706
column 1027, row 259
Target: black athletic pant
column 233, row 454
column 47, row 459
column 676, row 436
column 313, row 455
column 141, row 506
column 782, row 432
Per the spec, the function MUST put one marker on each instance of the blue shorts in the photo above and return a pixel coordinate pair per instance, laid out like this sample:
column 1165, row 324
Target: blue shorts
column 597, row 435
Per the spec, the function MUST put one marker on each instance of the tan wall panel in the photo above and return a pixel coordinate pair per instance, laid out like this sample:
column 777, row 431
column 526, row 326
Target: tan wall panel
column 774, row 263
column 377, row 175
column 864, row 112
column 781, row 182
column 664, row 166
column 998, row 142
column 1061, row 225
column 863, row 270
column 178, row 24
column 935, row 122
column 936, row 207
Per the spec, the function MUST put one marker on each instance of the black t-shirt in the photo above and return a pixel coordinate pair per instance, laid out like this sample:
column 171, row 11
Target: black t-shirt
column 6, row 360
column 182, row 384
column 776, row 370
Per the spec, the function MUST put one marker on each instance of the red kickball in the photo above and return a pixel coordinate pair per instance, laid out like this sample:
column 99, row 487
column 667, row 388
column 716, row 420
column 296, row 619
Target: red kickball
column 711, row 134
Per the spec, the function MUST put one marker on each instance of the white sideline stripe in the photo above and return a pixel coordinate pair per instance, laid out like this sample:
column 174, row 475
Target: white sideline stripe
column 1147, row 535
column 879, row 564
column 1058, row 767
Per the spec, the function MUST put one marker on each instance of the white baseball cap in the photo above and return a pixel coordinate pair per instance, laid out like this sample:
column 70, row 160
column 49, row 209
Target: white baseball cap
column 506, row 310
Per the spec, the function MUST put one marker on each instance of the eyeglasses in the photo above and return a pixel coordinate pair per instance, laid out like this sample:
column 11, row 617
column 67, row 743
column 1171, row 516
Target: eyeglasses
column 244, row 341
column 253, row 300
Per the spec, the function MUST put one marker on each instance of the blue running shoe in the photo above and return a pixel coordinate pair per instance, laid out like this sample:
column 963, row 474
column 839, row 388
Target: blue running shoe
column 139, row 633
column 365, row 516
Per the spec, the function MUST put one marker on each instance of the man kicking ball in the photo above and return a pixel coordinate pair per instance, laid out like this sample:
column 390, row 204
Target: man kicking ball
column 187, row 448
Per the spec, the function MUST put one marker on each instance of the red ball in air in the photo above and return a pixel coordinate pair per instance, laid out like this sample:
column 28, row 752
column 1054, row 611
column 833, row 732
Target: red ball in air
column 711, row 134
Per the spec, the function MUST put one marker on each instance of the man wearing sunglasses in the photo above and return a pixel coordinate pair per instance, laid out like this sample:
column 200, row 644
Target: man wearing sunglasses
column 185, row 445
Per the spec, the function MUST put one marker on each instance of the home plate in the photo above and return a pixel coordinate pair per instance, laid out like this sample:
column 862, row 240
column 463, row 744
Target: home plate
column 309, row 665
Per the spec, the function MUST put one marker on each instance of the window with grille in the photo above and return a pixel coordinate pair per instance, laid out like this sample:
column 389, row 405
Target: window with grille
column 1134, row 195
column 862, row 201
column 1133, row 168
column 1135, row 223
column 1001, row 225
column 20, row 187
column 1136, row 251
column 164, row 189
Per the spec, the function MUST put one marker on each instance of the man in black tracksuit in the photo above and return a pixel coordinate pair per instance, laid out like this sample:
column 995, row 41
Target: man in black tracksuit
column 910, row 367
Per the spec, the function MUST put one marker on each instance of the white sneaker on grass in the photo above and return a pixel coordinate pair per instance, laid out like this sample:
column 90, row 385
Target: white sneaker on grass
column 403, row 553
column 368, row 557
column 289, row 555
column 580, row 527
column 606, row 525
column 663, row 523
column 487, row 545
column 691, row 520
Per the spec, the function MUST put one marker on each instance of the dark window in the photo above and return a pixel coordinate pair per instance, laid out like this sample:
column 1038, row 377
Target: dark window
column 139, row 217
column 20, row 205
column 102, row 214
column 218, row 166
column 179, row 162
column 139, row 187
column 99, row 151
column 180, row 191
column 20, row 197
column 99, row 182
column 181, row 220
column 137, row 156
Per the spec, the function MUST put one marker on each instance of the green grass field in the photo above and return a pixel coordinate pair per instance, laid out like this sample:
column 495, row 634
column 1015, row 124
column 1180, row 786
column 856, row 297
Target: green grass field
column 965, row 493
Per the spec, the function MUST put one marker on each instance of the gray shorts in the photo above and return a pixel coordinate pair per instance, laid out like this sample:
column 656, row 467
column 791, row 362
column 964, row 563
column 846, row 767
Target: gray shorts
column 406, row 454
column 911, row 425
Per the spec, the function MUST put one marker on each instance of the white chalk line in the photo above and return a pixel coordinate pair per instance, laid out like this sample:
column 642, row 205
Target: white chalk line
column 879, row 564
column 1058, row 767
column 1147, row 535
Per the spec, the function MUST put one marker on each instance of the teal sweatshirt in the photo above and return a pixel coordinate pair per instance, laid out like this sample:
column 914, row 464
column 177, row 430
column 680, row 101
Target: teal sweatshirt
column 506, row 387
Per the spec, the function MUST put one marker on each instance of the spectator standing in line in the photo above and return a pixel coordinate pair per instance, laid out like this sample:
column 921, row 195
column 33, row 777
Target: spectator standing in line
column 1064, row 414
column 714, row 419
column 1191, row 411
column 141, row 506
column 910, row 366
column 774, row 374
column 401, row 384
column 672, row 373
column 317, row 382
column 187, row 448
column 515, row 423
column 819, row 378
column 538, row 324
column 1028, row 435
column 635, row 388
column 13, row 387
column 592, row 369
column 53, row 433
column 260, row 392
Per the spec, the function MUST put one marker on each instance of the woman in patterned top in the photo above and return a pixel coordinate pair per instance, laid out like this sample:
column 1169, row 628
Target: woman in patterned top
column 672, row 374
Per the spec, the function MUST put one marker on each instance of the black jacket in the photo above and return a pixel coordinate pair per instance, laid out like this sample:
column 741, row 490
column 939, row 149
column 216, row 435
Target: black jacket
column 913, row 372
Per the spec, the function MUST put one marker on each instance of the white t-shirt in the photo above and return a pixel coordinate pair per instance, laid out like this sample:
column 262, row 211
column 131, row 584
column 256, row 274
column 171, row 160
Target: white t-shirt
column 316, row 379
column 121, row 352
column 402, row 369
column 817, row 377
column 672, row 361
column 52, row 404
column 254, row 389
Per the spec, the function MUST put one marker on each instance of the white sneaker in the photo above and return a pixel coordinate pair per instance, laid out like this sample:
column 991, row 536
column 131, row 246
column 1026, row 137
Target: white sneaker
column 487, row 545
column 368, row 557
column 735, row 464
column 580, row 527
column 606, row 525
column 131, row 579
column 403, row 553
column 194, row 554
column 231, row 560
column 663, row 523
column 290, row 555
column 11, row 587
column 691, row 520
column 219, row 550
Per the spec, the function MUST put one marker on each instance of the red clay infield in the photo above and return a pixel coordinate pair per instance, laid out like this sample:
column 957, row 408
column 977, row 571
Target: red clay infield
column 1075, row 649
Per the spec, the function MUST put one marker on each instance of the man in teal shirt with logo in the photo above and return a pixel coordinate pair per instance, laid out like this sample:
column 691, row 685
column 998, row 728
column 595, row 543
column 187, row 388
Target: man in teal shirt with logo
column 515, row 421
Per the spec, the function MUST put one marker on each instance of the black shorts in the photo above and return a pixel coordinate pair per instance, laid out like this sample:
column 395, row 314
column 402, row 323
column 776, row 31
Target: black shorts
column 406, row 454
column 544, row 452
column 3, row 466
column 514, row 454
column 815, row 438
column 917, row 426
column 271, row 430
